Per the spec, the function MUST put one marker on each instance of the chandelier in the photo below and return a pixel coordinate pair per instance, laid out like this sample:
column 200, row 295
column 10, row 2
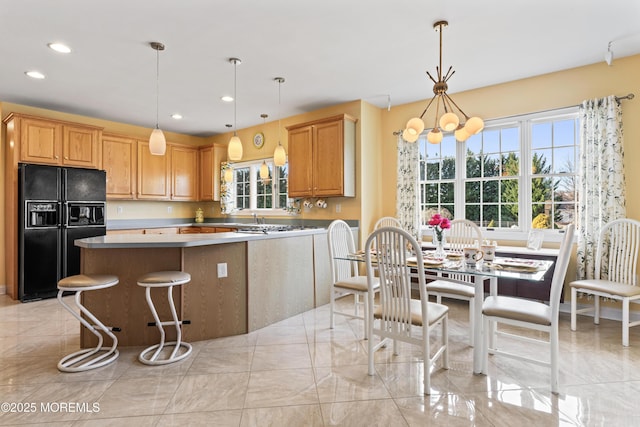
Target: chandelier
column 449, row 121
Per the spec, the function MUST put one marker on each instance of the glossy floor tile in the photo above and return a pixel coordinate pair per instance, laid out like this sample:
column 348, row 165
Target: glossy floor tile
column 299, row 372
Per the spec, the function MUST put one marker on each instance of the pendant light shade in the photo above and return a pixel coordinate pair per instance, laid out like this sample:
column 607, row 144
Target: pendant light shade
column 264, row 170
column 234, row 149
column 474, row 125
column 409, row 136
column 449, row 122
column 415, row 126
column 434, row 136
column 157, row 141
column 279, row 154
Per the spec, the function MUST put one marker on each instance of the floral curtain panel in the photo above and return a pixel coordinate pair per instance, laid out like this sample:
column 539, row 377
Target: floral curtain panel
column 407, row 202
column 601, row 191
column 226, row 195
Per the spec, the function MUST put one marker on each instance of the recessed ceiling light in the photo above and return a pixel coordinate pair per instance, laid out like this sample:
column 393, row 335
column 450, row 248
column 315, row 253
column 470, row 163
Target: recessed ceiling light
column 227, row 98
column 59, row 47
column 176, row 116
column 35, row 74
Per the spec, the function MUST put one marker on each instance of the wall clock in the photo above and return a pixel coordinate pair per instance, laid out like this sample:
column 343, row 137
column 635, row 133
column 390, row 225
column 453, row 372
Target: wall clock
column 258, row 140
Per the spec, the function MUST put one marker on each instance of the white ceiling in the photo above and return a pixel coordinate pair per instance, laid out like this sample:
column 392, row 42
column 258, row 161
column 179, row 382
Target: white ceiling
column 329, row 52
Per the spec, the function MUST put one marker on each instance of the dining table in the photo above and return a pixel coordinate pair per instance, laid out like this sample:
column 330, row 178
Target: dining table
column 454, row 268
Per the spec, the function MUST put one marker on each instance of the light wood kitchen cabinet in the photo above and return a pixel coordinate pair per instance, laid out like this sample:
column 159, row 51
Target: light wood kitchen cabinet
column 119, row 155
column 210, row 159
column 58, row 143
column 184, row 173
column 322, row 158
column 154, row 173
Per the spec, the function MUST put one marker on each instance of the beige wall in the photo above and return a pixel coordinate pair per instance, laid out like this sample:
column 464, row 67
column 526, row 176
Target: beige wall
column 376, row 144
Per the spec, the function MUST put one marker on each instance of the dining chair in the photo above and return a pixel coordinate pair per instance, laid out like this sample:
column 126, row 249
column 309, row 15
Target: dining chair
column 530, row 314
column 400, row 317
column 387, row 221
column 463, row 233
column 615, row 273
column 345, row 276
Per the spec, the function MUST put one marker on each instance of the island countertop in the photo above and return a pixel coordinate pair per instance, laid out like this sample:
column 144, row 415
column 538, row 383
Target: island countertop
column 120, row 241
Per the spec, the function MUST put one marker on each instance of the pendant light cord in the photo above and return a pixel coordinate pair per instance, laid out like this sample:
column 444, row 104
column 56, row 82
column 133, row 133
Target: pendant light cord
column 157, row 88
column 235, row 97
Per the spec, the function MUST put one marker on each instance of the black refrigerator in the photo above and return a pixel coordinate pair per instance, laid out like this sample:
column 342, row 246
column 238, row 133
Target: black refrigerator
column 56, row 206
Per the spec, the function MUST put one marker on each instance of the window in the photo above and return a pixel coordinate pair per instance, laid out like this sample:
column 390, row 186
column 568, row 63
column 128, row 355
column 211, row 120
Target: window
column 252, row 192
column 517, row 174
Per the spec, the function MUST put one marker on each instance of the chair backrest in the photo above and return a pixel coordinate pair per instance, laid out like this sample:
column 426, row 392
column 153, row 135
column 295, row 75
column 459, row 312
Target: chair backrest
column 617, row 253
column 390, row 262
column 387, row 221
column 560, row 271
column 463, row 234
column 341, row 244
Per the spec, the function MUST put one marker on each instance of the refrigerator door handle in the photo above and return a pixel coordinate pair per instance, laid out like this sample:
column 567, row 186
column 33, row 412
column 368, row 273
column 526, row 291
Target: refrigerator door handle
column 65, row 214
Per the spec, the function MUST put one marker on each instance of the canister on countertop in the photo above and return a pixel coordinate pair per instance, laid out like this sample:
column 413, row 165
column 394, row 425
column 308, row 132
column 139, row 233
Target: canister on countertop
column 199, row 215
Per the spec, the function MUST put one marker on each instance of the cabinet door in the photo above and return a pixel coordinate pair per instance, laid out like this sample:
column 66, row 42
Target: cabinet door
column 328, row 159
column 40, row 141
column 119, row 161
column 153, row 174
column 300, row 162
column 80, row 146
column 206, row 173
column 184, row 173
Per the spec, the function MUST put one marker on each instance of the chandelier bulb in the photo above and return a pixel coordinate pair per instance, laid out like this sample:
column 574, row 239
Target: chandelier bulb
column 461, row 134
column 415, row 126
column 410, row 137
column 474, row 125
column 435, row 136
column 449, row 121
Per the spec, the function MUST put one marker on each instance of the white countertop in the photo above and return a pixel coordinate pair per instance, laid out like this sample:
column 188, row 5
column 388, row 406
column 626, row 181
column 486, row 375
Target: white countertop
column 114, row 241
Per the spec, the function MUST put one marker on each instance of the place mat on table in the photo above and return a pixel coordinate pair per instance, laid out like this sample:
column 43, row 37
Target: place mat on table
column 427, row 261
column 516, row 264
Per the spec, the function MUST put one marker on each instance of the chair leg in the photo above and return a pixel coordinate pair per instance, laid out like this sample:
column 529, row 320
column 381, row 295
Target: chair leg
column 367, row 309
column 370, row 348
column 596, row 314
column 485, row 345
column 472, row 325
column 426, row 356
column 553, row 338
column 574, row 307
column 332, row 301
column 625, row 322
column 445, row 341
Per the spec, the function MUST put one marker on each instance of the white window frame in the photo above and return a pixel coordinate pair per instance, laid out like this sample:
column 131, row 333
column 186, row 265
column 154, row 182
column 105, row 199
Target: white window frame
column 254, row 169
column 524, row 123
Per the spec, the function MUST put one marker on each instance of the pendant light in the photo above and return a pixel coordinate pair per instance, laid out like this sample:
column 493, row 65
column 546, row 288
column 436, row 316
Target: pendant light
column 234, row 149
column 157, row 141
column 279, row 155
column 449, row 121
column 264, row 170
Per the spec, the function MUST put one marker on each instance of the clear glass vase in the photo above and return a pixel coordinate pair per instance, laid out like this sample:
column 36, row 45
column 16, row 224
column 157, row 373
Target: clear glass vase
column 439, row 241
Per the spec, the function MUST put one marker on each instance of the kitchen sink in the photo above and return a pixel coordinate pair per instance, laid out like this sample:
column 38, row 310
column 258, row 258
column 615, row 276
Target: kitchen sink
column 269, row 228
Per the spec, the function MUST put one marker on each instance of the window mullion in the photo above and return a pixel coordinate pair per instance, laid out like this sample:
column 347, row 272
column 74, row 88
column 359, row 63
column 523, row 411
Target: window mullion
column 461, row 172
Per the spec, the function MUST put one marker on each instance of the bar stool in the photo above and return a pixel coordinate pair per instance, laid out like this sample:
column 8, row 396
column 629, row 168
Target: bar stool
column 98, row 356
column 164, row 279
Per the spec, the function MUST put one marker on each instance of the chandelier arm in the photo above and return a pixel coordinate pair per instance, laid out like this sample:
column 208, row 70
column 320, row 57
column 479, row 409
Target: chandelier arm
column 428, row 105
column 431, row 77
column 458, row 107
column 449, row 73
column 448, row 76
column 435, row 125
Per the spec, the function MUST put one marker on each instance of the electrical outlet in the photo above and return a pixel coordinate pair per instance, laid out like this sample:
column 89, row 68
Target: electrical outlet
column 222, row 270
column 120, row 209
column 338, row 208
column 169, row 209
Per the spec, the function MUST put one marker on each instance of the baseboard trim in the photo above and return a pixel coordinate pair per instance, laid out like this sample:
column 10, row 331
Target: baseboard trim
column 3, row 289
column 605, row 312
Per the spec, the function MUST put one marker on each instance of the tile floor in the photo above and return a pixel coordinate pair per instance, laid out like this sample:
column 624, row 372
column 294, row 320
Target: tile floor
column 300, row 373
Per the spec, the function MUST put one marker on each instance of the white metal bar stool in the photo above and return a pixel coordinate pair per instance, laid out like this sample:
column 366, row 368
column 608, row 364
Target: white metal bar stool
column 89, row 358
column 164, row 279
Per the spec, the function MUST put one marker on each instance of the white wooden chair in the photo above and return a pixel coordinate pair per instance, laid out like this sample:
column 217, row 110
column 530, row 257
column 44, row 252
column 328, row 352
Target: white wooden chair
column 529, row 314
column 615, row 274
column 387, row 221
column 462, row 234
column 345, row 277
column 399, row 317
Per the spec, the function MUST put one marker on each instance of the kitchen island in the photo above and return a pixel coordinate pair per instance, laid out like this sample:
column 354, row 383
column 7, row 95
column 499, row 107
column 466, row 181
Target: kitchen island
column 269, row 277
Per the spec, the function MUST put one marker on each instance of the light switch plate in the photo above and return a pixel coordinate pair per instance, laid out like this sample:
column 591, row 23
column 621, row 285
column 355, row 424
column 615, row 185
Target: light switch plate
column 222, row 270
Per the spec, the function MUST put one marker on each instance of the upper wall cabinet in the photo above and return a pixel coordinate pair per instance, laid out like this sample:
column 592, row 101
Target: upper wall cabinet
column 119, row 155
column 184, row 172
column 210, row 159
column 154, row 174
column 322, row 158
column 55, row 142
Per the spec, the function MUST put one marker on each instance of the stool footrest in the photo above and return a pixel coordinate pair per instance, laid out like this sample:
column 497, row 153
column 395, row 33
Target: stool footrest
column 157, row 349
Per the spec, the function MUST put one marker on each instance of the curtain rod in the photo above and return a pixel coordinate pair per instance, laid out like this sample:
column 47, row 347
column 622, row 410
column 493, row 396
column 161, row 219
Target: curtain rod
column 628, row 96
